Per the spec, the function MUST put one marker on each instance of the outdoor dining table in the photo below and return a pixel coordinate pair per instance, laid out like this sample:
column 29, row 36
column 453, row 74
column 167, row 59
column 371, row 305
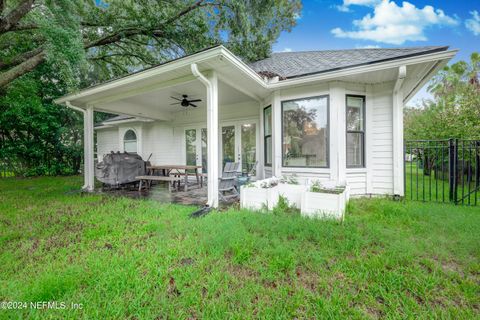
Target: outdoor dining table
column 177, row 171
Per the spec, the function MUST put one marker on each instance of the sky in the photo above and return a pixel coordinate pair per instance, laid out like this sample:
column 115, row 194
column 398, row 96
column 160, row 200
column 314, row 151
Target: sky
column 346, row 24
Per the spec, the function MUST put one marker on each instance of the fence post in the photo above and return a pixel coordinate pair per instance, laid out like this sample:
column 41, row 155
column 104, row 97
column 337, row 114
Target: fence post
column 452, row 168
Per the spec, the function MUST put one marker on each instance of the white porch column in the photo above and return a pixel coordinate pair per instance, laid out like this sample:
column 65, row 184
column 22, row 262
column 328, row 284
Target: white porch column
column 398, row 182
column 88, row 161
column 338, row 150
column 212, row 139
column 276, row 134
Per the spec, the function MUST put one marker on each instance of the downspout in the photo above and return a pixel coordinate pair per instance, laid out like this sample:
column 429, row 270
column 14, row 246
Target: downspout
column 398, row 165
column 69, row 105
column 208, row 85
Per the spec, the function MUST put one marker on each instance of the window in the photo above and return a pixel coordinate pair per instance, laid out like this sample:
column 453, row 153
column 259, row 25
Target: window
column 305, row 132
column 267, row 136
column 130, row 141
column 355, row 131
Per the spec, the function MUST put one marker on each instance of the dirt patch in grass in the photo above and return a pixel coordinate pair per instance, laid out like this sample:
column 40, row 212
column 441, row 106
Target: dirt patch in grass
column 307, row 279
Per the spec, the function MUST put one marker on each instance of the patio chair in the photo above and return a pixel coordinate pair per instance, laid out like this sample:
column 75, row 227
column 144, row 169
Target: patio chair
column 247, row 177
column 226, row 186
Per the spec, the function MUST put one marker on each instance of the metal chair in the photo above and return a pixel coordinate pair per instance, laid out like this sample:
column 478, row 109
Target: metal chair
column 226, row 186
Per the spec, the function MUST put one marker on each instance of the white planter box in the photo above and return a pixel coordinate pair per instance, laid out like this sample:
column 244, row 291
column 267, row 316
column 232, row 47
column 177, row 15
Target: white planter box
column 324, row 205
column 255, row 198
column 292, row 192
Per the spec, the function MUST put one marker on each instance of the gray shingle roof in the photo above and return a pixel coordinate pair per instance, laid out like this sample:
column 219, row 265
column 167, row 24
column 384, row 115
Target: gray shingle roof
column 296, row 64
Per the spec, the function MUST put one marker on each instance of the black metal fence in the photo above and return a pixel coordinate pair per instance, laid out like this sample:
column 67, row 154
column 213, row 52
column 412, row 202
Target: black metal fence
column 443, row 171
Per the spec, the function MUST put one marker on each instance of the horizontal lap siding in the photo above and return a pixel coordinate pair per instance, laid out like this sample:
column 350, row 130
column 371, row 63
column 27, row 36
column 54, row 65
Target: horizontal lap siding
column 163, row 142
column 107, row 141
column 357, row 181
column 382, row 144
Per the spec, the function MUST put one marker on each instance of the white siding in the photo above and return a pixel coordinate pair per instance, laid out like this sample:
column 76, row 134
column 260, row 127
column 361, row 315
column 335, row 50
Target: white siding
column 107, row 140
column 357, row 182
column 382, row 157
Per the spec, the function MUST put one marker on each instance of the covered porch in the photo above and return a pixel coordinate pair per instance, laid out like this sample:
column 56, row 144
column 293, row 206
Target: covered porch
column 224, row 126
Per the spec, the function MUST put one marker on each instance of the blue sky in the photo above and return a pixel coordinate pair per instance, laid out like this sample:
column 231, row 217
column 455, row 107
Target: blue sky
column 341, row 24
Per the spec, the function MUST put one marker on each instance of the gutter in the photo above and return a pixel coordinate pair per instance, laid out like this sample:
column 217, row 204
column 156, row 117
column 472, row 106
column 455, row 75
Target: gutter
column 69, row 105
column 208, row 85
column 402, row 74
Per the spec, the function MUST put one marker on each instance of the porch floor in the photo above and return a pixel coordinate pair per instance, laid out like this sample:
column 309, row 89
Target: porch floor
column 196, row 195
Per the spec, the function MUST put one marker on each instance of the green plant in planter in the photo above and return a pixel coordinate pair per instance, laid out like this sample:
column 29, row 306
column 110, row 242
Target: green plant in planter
column 292, row 179
column 318, row 187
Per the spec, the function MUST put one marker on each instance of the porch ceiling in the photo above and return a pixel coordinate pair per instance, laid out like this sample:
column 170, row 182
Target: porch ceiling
column 158, row 104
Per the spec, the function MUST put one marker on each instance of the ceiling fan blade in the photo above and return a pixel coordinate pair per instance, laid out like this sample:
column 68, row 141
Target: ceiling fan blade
column 175, row 103
column 193, row 105
column 176, row 98
column 196, row 100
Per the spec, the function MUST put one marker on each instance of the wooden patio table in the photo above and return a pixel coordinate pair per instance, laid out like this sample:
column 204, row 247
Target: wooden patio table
column 167, row 170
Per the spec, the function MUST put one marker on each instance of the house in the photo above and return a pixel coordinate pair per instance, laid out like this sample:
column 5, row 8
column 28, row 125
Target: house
column 334, row 115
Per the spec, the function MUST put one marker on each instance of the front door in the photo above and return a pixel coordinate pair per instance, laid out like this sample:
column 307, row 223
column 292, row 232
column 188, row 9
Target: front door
column 239, row 144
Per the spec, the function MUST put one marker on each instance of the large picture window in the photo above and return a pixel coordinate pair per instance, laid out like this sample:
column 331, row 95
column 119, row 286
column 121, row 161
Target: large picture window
column 355, row 131
column 130, row 141
column 305, row 132
column 267, row 136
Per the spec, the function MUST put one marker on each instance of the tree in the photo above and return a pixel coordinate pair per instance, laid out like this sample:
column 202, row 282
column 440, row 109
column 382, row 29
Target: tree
column 455, row 110
column 50, row 47
column 111, row 38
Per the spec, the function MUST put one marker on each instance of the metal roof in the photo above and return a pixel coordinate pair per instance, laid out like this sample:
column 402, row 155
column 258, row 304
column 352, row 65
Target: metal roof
column 295, row 64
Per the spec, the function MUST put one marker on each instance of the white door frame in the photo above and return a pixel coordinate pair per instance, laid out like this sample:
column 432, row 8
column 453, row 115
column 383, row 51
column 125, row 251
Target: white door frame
column 238, row 138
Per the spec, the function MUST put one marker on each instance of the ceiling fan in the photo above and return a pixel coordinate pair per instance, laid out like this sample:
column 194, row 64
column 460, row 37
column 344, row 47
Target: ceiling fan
column 185, row 102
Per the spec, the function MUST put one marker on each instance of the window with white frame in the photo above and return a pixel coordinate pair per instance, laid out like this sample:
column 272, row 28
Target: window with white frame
column 355, row 131
column 130, row 141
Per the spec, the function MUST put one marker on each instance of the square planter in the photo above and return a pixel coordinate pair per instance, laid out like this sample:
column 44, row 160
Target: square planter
column 256, row 198
column 324, row 205
column 292, row 192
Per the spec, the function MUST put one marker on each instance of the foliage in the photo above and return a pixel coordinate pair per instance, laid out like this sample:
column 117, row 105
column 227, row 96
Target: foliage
column 127, row 258
column 50, row 47
column 318, row 186
column 455, row 111
column 290, row 179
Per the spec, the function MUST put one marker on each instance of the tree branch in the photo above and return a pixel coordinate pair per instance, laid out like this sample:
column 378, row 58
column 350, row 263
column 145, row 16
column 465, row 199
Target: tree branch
column 20, row 58
column 13, row 17
column 21, row 69
column 126, row 33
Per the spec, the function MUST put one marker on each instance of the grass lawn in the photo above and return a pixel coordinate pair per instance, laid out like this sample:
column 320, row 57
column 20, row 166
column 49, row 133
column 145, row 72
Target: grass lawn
column 139, row 259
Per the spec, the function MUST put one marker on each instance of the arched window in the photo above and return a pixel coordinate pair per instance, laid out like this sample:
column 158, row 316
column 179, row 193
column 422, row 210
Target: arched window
column 130, row 141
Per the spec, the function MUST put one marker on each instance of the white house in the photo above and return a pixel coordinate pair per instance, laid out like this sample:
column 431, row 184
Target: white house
column 334, row 115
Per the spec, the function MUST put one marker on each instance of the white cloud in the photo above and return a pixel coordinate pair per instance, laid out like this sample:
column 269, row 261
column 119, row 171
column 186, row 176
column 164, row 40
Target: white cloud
column 287, row 50
column 474, row 23
column 370, row 46
column 345, row 7
column 395, row 24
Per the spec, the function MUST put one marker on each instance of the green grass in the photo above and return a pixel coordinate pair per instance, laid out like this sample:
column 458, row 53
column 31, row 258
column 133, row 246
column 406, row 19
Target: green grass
column 427, row 188
column 137, row 259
